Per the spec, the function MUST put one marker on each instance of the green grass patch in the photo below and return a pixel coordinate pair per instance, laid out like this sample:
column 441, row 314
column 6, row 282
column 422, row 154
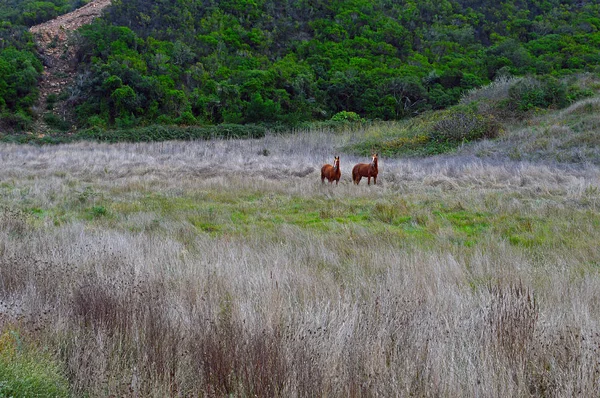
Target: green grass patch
column 36, row 211
column 242, row 213
column 229, row 212
column 26, row 371
column 467, row 223
column 98, row 211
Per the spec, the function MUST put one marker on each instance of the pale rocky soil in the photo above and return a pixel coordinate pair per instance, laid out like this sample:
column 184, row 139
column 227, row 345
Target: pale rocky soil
column 58, row 51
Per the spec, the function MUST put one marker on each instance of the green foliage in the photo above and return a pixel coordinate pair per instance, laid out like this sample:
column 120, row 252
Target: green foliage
column 32, row 12
column 462, row 124
column 186, row 119
column 56, row 122
column 98, row 211
column 18, row 121
column 164, row 133
column 509, row 99
column 96, row 121
column 345, row 116
column 429, row 134
column 143, row 134
column 28, row 372
column 19, row 71
column 239, row 62
column 51, row 100
column 50, row 139
column 533, row 93
column 252, row 62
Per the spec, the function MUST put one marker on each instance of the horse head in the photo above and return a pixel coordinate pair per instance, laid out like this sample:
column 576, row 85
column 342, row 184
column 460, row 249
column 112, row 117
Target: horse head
column 374, row 160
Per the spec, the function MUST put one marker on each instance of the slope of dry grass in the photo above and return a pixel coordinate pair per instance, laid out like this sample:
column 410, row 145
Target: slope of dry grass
column 210, row 269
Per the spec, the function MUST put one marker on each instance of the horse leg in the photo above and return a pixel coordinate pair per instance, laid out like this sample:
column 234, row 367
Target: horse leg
column 368, row 180
column 374, row 180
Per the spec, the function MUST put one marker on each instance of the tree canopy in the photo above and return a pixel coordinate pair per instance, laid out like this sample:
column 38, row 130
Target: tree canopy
column 256, row 61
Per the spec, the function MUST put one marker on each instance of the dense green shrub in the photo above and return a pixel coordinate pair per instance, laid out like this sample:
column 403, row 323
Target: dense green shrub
column 462, row 124
column 164, row 133
column 56, row 122
column 18, row 121
column 345, row 116
column 51, row 101
column 532, row 93
column 34, row 139
column 19, row 73
column 143, row 134
column 429, row 134
column 512, row 98
column 32, row 12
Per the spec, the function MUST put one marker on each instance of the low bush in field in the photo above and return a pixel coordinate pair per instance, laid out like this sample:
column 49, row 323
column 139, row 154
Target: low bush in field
column 346, row 116
column 462, row 124
column 430, row 134
column 495, row 91
column 515, row 98
column 545, row 92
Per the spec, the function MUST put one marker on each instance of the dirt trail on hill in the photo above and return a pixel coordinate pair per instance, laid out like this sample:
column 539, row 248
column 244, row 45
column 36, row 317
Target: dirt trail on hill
column 58, row 54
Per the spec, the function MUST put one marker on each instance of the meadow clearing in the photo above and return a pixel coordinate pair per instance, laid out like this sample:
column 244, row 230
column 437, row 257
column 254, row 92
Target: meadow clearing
column 225, row 268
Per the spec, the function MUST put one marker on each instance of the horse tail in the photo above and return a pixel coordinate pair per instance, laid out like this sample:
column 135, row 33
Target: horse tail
column 355, row 174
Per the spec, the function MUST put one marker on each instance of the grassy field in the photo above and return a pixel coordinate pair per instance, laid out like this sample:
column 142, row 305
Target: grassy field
column 225, row 268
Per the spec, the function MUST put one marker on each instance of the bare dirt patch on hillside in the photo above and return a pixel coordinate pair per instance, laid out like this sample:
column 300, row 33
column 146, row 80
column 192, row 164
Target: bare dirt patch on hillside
column 53, row 39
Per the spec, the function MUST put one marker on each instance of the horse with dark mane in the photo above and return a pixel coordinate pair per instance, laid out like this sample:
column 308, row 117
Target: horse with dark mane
column 332, row 173
column 366, row 170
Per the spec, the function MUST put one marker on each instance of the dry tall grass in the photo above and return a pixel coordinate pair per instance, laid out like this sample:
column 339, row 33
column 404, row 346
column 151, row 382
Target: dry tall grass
column 142, row 304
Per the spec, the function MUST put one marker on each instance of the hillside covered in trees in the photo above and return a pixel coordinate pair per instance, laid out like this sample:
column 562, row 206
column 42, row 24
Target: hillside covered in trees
column 206, row 62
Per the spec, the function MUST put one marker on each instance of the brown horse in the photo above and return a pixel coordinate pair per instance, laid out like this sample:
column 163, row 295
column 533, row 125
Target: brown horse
column 365, row 170
column 332, row 173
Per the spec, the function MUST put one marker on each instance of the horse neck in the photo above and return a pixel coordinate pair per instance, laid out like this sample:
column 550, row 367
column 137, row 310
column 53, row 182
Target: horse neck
column 373, row 164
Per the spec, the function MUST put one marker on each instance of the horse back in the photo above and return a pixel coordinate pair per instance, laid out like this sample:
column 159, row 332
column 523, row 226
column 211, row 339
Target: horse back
column 361, row 169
